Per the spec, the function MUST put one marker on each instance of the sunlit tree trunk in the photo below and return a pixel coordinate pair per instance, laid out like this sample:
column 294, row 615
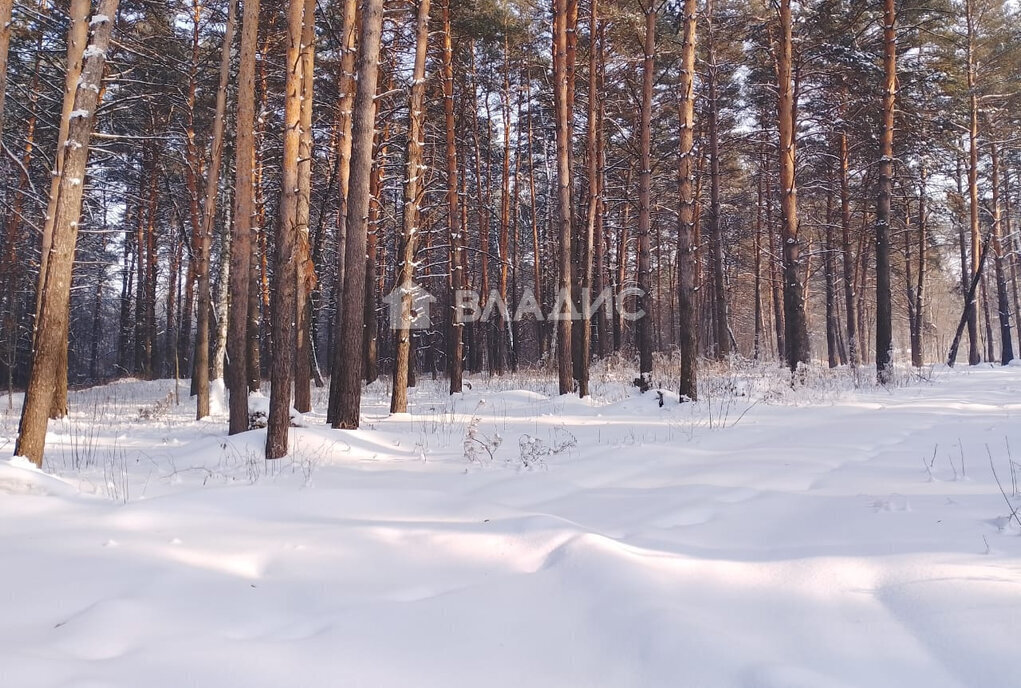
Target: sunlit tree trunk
column 795, row 322
column 202, row 266
column 192, row 173
column 350, row 344
column 455, row 231
column 76, row 37
column 686, row 255
column 242, row 245
column 564, row 182
column 305, row 269
column 346, row 89
column 54, row 312
column 412, row 212
column 285, row 272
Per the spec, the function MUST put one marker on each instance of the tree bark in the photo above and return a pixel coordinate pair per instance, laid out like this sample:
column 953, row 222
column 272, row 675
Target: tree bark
column 202, row 266
column 686, row 256
column 501, row 352
column 54, row 312
column 974, row 352
column 829, row 274
column 586, row 251
column 76, row 38
column 413, row 188
column 917, row 353
column 350, row 349
column 721, row 335
column 285, row 271
column 1002, row 299
column 305, row 269
column 795, row 322
column 242, row 244
column 346, row 90
column 884, row 296
column 455, row 231
column 969, row 305
column 846, row 253
column 564, row 182
column 644, row 324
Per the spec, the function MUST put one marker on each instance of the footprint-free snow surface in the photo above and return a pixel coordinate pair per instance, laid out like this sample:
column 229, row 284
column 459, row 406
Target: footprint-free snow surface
column 764, row 537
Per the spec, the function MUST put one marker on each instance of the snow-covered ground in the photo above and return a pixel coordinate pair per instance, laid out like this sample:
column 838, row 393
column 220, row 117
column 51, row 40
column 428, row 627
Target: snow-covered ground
column 764, row 537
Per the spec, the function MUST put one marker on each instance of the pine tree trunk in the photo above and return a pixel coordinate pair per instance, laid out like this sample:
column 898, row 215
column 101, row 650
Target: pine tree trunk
column 620, row 271
column 795, row 323
column 76, row 38
column 987, row 320
column 242, row 245
column 603, row 324
column 917, row 353
column 1014, row 253
column 202, row 267
column 193, row 171
column 305, row 269
column 346, row 90
column 644, row 324
column 884, row 295
column 775, row 277
column 412, row 211
column 974, row 355
column 455, row 231
column 145, row 245
column 500, row 350
column 540, row 325
column 829, row 273
column 479, row 354
column 588, row 237
column 757, row 314
column 721, row 334
column 285, row 272
column 686, row 255
column 850, row 297
column 350, row 343
column 370, row 332
column 1002, row 300
column 54, row 311
column 564, row 181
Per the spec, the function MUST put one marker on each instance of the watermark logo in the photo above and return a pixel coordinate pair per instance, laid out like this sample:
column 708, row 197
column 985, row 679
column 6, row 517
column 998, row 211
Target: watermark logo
column 410, row 304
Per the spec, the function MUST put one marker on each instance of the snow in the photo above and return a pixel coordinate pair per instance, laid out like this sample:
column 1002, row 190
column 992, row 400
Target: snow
column 822, row 537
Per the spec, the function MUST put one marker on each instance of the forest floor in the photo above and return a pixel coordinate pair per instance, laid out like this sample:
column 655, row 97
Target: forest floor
column 824, row 536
